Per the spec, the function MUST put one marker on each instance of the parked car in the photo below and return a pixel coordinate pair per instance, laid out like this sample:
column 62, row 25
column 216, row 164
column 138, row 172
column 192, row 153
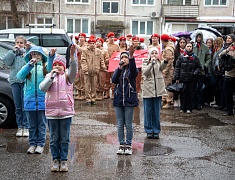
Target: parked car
column 7, row 107
column 45, row 37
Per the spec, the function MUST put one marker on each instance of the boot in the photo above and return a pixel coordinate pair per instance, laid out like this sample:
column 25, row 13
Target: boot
column 167, row 106
column 106, row 96
column 78, row 95
column 99, row 95
column 82, row 96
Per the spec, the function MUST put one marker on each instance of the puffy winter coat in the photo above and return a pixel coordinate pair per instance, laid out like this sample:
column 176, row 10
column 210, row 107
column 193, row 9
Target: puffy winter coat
column 34, row 98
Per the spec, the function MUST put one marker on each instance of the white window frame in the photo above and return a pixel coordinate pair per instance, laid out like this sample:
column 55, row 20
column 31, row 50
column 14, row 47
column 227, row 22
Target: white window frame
column 215, row 4
column 66, row 1
column 110, row 6
column 44, row 21
column 71, row 18
column 143, row 4
column 139, row 21
column 6, row 21
column 46, row 1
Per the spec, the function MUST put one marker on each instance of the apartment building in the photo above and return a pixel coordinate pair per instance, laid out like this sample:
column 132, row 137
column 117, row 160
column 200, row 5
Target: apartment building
column 137, row 17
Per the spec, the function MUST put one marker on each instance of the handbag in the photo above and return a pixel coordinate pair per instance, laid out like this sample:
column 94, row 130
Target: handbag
column 175, row 87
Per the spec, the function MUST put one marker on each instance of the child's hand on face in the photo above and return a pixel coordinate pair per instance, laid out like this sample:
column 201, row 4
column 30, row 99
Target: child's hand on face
column 52, row 52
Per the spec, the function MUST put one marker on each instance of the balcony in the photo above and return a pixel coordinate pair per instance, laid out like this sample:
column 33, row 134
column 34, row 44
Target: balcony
column 191, row 11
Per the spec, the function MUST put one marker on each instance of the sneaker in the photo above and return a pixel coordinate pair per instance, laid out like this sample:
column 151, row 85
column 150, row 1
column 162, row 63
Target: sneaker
column 150, row 135
column 121, row 150
column 39, row 150
column 155, row 136
column 64, row 166
column 25, row 132
column 188, row 112
column 176, row 103
column 181, row 111
column 56, row 166
column 128, row 150
column 31, row 150
column 19, row 132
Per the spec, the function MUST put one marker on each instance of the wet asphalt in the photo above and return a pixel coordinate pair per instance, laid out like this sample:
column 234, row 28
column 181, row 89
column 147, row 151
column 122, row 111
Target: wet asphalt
column 197, row 146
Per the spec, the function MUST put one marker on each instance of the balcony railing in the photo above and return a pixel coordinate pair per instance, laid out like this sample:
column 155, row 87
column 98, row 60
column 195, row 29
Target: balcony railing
column 180, row 11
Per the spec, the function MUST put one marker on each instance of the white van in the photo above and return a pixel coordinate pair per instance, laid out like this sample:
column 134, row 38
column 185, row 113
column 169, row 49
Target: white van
column 45, row 37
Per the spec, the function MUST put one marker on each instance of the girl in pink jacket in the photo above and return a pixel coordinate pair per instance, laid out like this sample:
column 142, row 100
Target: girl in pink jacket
column 59, row 103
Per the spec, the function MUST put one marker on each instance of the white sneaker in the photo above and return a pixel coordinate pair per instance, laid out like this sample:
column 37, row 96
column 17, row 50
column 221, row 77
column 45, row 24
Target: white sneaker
column 56, row 166
column 31, row 150
column 128, row 150
column 39, row 150
column 19, row 132
column 188, row 112
column 176, row 103
column 181, row 111
column 64, row 166
column 121, row 150
column 25, row 132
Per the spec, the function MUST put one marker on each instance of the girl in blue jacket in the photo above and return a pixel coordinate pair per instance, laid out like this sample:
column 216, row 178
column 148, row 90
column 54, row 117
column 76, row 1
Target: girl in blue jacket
column 33, row 73
column 125, row 99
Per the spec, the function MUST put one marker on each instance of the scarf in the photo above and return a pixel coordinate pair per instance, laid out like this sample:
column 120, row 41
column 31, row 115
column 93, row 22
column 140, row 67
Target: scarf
column 190, row 56
column 198, row 45
column 181, row 51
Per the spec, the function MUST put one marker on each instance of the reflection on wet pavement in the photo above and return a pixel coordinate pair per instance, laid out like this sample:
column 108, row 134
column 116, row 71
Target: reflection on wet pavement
column 197, row 137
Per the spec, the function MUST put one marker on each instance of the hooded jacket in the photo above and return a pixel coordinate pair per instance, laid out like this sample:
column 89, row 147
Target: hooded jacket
column 33, row 97
column 202, row 52
column 125, row 89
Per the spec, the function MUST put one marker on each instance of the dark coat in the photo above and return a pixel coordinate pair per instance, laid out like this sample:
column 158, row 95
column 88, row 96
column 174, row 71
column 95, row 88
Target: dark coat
column 187, row 69
column 125, row 89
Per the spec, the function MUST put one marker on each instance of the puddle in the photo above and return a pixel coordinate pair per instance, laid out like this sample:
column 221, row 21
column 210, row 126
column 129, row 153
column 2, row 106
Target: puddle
column 200, row 120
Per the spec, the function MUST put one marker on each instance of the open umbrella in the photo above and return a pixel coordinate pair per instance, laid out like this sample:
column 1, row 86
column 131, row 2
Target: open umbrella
column 182, row 34
column 210, row 29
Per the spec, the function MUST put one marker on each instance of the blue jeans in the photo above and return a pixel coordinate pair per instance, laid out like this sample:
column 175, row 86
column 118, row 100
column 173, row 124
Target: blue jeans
column 152, row 107
column 124, row 117
column 59, row 138
column 18, row 96
column 37, row 127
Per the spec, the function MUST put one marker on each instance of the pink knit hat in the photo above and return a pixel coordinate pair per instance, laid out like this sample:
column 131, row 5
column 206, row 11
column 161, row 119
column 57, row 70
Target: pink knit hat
column 61, row 60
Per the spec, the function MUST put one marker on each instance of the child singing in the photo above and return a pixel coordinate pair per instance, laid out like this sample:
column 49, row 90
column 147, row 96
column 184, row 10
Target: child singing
column 59, row 101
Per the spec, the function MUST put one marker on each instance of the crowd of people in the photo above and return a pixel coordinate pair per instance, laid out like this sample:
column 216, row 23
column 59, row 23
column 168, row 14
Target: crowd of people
column 43, row 85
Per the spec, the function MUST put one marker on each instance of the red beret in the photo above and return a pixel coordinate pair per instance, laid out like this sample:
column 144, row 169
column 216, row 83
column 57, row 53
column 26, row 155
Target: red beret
column 82, row 34
column 173, row 39
column 110, row 34
column 135, row 38
column 141, row 40
column 122, row 38
column 129, row 35
column 92, row 36
column 165, row 37
column 91, row 40
column 76, row 37
column 100, row 39
column 155, row 35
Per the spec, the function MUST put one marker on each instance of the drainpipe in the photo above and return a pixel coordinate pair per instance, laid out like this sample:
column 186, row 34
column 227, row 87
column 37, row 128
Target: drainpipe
column 94, row 29
column 125, row 17
column 59, row 13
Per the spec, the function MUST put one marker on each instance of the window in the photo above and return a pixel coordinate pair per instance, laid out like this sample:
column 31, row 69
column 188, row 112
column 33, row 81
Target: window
column 110, row 7
column 77, row 26
column 44, row 0
column 78, row 1
column 6, row 22
column 143, row 2
column 44, row 21
column 215, row 2
column 142, row 27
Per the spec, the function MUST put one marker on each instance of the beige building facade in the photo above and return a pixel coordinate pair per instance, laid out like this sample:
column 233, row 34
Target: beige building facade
column 137, row 17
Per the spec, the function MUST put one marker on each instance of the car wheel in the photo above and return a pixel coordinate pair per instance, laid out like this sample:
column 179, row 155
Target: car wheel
column 7, row 113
